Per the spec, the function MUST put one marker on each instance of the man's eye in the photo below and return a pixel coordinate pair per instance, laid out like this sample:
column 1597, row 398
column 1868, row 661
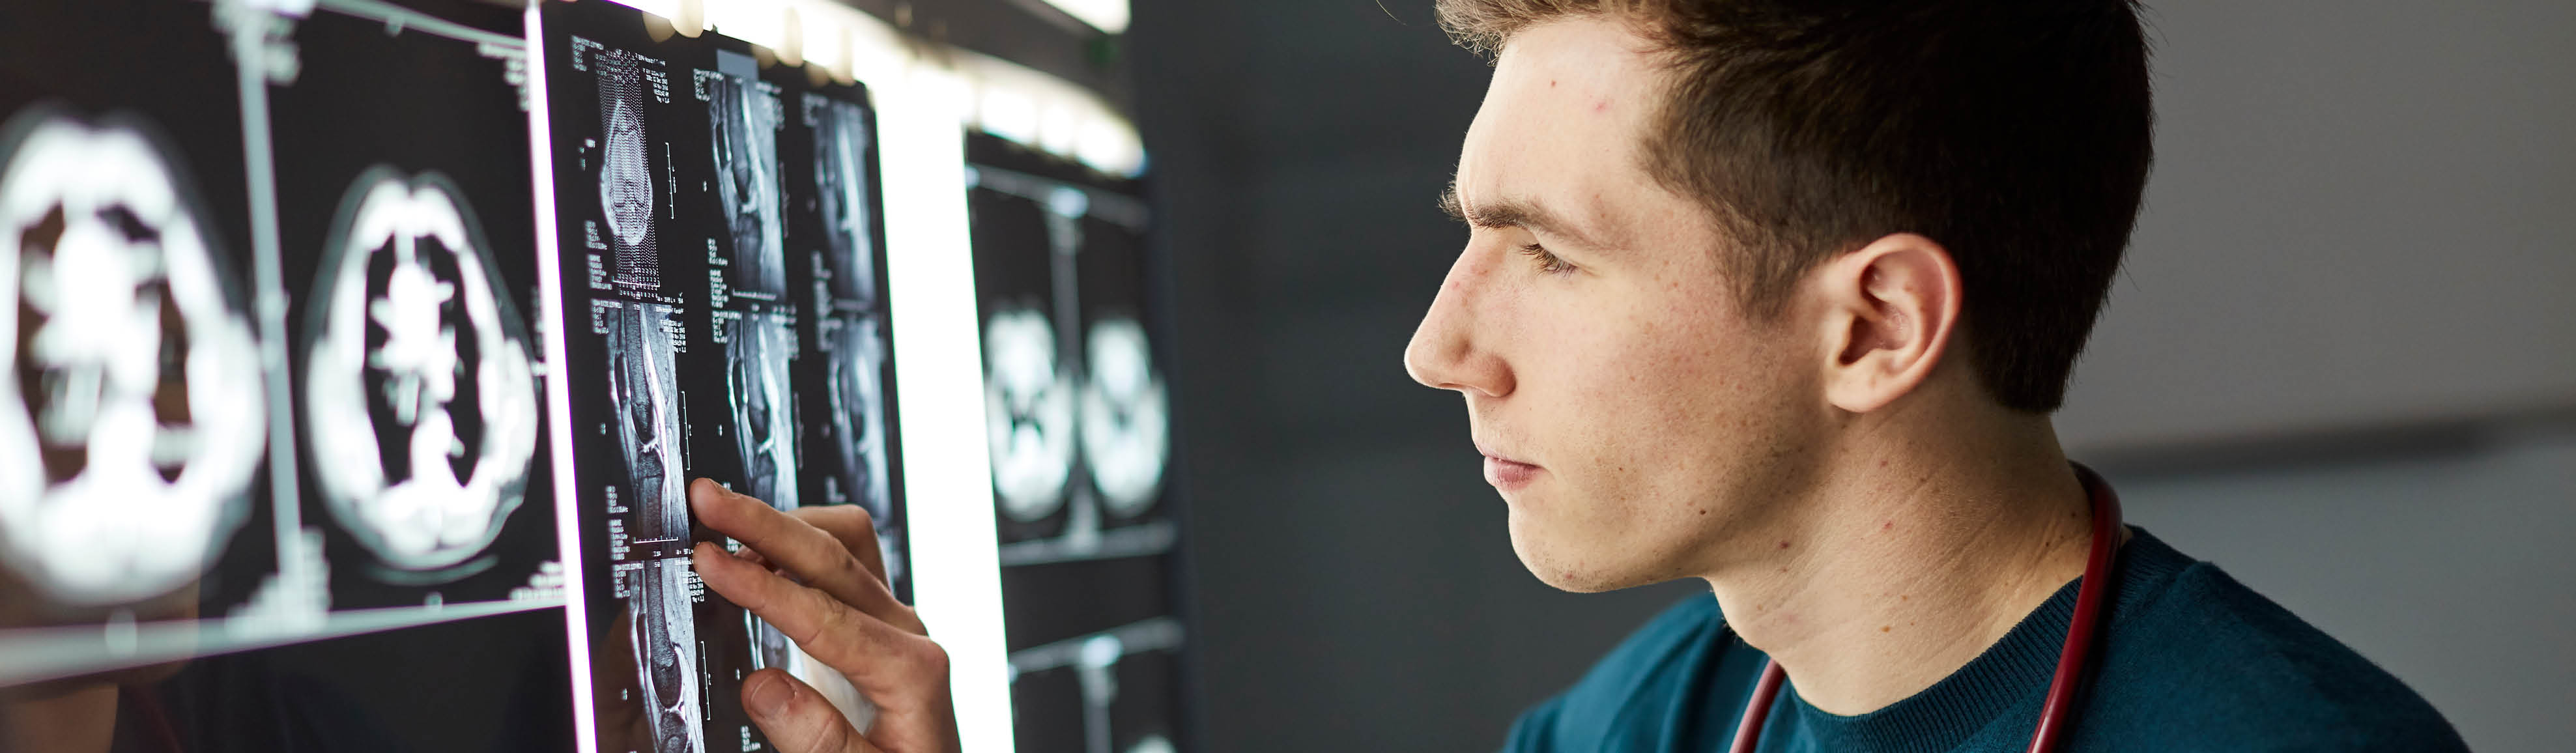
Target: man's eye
column 1547, row 262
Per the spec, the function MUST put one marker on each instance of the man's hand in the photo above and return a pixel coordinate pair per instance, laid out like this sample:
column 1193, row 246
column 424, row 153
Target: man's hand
column 840, row 611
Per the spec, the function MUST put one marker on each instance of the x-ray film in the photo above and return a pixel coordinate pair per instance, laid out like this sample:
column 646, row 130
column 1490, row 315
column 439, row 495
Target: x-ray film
column 420, row 392
column 1078, row 421
column 132, row 434
column 671, row 214
column 1029, row 386
column 743, row 119
column 1126, row 404
column 266, row 273
column 417, row 374
column 757, row 427
column 135, row 474
column 835, row 220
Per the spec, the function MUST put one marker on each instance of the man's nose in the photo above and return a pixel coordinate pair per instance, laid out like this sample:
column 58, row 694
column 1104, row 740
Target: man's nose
column 1445, row 352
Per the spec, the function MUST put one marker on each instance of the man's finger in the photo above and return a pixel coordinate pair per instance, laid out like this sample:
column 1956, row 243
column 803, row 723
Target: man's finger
column 815, row 557
column 885, row 659
column 796, row 718
column 853, row 526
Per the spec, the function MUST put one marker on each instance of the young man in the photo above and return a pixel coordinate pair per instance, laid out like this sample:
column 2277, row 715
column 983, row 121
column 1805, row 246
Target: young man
column 1777, row 295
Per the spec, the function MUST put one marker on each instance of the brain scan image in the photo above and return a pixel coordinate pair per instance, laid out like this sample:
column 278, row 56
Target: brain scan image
column 644, row 388
column 743, row 124
column 1029, row 413
column 665, row 639
column 1125, row 429
column 625, row 173
column 421, row 400
column 757, row 368
column 133, row 425
column 841, row 143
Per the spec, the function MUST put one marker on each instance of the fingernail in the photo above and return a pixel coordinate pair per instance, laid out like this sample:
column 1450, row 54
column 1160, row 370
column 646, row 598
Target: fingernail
column 766, row 696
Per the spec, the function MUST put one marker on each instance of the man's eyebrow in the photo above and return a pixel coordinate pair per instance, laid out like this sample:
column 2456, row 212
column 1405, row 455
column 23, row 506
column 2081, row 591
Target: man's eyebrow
column 1512, row 213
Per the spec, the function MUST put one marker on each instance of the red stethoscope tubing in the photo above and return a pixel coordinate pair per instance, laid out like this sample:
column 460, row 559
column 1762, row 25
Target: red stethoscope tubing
column 2058, row 714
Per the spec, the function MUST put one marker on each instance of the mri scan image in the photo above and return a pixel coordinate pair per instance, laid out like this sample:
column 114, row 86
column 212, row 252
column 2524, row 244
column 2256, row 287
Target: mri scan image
column 844, row 197
column 1125, row 424
column 1029, row 412
column 643, row 385
column 625, row 171
column 421, row 401
column 133, row 426
column 758, row 362
column 665, row 640
column 743, row 119
column 1078, row 420
column 855, row 395
column 856, row 464
column 835, row 217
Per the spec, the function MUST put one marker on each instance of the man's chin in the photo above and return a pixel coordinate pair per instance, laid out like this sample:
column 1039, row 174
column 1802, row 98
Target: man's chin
column 1571, row 569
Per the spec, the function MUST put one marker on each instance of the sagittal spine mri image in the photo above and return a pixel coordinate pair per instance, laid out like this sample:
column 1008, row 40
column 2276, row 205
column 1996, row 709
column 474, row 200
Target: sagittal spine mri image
column 132, row 428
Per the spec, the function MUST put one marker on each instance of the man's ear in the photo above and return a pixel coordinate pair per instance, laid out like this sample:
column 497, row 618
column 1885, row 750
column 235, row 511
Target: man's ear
column 1890, row 310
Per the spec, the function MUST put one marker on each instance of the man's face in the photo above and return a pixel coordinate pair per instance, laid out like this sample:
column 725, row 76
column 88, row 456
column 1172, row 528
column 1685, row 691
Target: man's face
column 1629, row 413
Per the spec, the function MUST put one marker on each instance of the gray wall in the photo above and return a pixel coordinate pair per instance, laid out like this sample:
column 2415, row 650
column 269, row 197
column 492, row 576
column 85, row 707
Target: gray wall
column 1354, row 589
column 2363, row 214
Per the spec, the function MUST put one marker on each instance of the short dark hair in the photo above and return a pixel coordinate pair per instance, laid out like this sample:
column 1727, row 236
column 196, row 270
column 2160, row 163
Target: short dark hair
column 2016, row 133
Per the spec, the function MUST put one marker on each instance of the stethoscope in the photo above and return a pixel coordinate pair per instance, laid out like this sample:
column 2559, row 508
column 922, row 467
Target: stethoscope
column 2058, row 714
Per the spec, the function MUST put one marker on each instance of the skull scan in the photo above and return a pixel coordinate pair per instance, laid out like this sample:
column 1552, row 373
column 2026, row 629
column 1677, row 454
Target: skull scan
column 1126, row 432
column 1028, row 413
column 134, row 424
column 420, row 390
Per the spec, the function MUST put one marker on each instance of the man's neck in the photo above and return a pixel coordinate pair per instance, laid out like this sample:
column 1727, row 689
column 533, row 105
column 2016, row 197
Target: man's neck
column 1918, row 552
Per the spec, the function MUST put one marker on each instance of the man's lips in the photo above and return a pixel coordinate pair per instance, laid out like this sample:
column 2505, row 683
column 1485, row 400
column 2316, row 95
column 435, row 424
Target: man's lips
column 1505, row 473
column 1509, row 475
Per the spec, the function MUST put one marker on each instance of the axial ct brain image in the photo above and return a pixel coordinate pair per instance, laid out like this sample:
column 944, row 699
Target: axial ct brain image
column 133, row 427
column 420, row 395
